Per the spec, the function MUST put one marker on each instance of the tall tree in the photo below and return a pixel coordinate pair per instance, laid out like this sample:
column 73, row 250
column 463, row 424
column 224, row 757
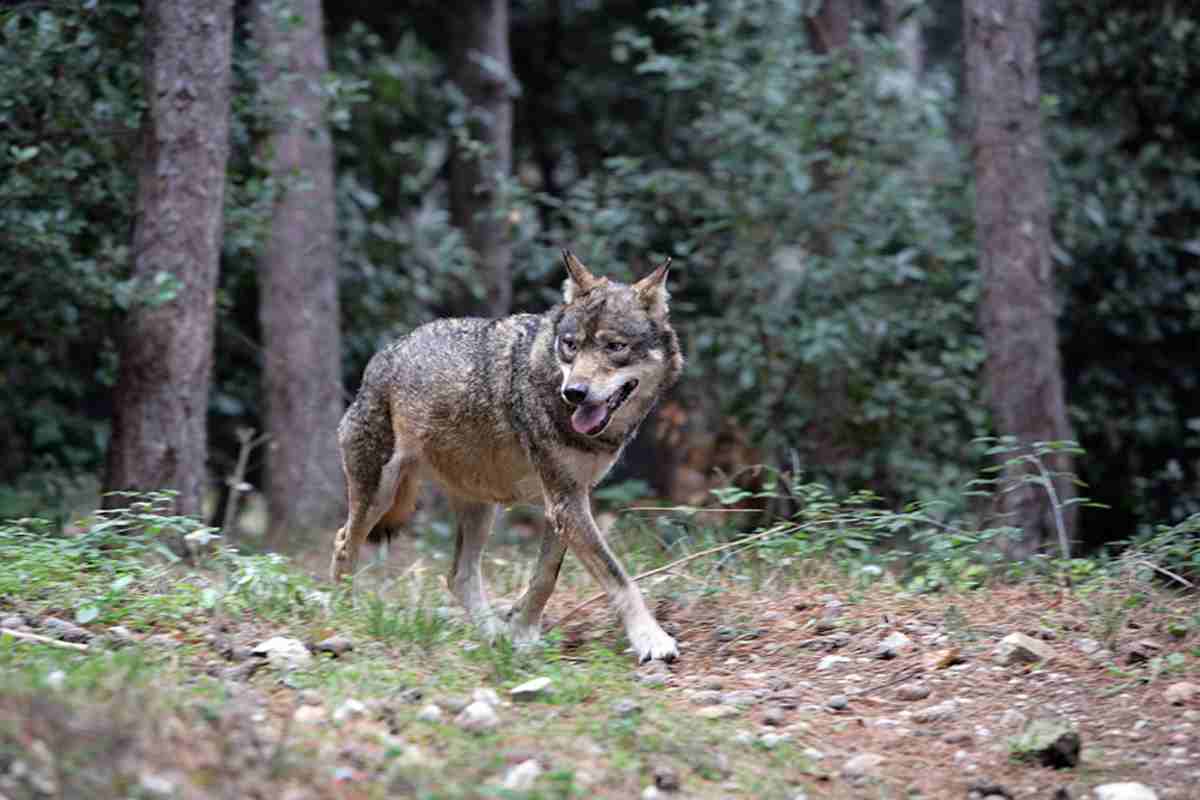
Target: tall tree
column 482, row 69
column 298, row 304
column 159, row 433
column 1018, row 309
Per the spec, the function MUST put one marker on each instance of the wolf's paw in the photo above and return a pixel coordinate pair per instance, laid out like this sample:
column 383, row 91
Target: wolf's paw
column 652, row 643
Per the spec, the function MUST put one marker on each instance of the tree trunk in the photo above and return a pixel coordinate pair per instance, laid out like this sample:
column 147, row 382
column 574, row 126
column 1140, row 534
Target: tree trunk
column 482, row 69
column 1018, row 309
column 298, row 302
column 159, row 433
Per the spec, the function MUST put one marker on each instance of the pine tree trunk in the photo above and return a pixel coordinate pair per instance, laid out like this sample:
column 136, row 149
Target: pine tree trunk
column 482, row 68
column 1018, row 309
column 159, row 433
column 298, row 305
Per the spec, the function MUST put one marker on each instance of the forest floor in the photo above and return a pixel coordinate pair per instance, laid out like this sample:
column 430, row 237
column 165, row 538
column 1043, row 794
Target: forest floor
column 782, row 690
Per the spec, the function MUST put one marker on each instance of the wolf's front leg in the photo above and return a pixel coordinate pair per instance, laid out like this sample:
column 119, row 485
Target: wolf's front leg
column 572, row 520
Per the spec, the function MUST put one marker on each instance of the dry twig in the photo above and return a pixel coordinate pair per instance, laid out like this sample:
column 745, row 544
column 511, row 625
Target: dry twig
column 33, row 637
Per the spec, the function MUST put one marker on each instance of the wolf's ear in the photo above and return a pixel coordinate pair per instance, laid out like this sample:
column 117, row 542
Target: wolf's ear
column 652, row 290
column 580, row 282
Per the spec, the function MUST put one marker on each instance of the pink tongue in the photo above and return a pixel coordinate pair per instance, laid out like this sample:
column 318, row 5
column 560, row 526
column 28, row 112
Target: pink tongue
column 588, row 416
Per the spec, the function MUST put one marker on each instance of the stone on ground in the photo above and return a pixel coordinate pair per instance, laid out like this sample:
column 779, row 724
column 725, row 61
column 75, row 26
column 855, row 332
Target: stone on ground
column 284, row 653
column 478, row 717
column 1124, row 791
column 1018, row 648
column 530, row 690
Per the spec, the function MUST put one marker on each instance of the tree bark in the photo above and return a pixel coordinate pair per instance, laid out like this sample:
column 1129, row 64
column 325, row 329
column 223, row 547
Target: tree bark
column 298, row 304
column 159, row 432
column 1018, row 308
column 482, row 69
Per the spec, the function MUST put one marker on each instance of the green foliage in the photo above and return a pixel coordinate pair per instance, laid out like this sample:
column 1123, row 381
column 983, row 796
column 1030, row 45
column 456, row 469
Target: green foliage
column 1126, row 176
column 1171, row 547
column 70, row 112
column 823, row 340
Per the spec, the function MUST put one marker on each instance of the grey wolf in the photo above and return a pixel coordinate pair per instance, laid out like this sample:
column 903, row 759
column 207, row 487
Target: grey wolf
column 531, row 408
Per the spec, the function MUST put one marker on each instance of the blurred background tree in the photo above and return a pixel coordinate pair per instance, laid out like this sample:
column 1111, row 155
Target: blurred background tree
column 807, row 165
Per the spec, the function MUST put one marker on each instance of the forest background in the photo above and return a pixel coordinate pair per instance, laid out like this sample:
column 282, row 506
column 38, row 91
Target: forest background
column 812, row 168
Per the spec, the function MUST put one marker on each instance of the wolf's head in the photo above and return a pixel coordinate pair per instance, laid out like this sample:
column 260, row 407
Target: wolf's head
column 615, row 348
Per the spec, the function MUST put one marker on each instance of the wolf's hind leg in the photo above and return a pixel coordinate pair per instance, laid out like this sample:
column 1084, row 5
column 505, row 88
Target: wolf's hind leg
column 391, row 494
column 474, row 525
column 527, row 614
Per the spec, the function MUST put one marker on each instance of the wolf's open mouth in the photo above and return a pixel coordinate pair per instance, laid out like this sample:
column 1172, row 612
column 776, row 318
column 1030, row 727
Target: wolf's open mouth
column 591, row 419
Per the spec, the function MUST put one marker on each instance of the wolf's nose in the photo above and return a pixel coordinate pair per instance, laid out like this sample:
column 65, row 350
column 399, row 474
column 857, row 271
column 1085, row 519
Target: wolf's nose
column 576, row 393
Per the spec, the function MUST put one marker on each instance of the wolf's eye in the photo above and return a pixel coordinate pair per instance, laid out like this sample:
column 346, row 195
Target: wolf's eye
column 616, row 347
column 566, row 343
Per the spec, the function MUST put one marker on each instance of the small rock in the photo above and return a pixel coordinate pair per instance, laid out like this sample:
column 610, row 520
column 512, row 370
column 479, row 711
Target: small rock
column 485, row 695
column 430, row 713
column 530, row 690
column 66, row 631
column 350, row 709
column 862, row 765
column 982, row 789
column 839, row 640
column 777, row 683
column 117, row 637
column 653, row 679
column 478, row 717
column 1086, row 646
column 712, row 683
column 522, row 777
column 625, row 707
column 1142, row 650
column 913, row 691
column 829, row 662
column 706, row 697
column 13, row 621
column 414, row 694
column 1050, row 742
column 651, row 793
column 309, row 715
column 335, row 645
column 666, row 779
column 284, row 653
column 1124, row 791
column 56, row 679
column 743, row 697
column 155, row 785
column 310, row 697
column 838, row 702
column 1178, row 694
column 893, row 645
column 958, row 737
column 1017, row 648
column 941, row 712
column 773, row 717
column 717, row 712
column 772, row 740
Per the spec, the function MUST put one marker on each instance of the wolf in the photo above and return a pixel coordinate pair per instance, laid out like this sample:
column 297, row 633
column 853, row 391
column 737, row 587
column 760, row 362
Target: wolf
column 531, row 408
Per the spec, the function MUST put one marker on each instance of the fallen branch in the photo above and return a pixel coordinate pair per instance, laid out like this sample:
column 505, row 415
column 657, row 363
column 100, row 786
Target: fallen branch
column 1166, row 572
column 727, row 546
column 33, row 637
